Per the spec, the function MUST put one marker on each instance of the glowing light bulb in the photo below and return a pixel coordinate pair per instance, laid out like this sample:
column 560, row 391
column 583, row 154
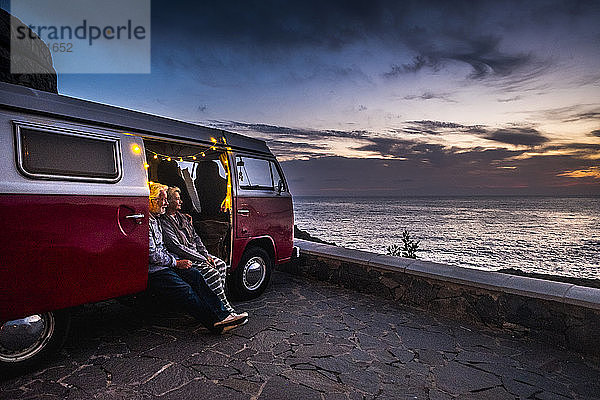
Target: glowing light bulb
column 168, row 158
column 156, row 156
column 146, row 165
column 136, row 149
column 193, row 157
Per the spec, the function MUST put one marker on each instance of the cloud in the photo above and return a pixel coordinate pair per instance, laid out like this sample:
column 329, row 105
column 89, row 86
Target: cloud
column 481, row 52
column 584, row 116
column 595, row 133
column 287, row 149
column 517, row 136
column 433, row 153
column 486, row 59
column 591, row 172
column 418, row 63
column 574, row 113
column 475, row 172
column 429, row 96
column 507, row 100
column 427, row 127
column 276, row 130
column 591, row 147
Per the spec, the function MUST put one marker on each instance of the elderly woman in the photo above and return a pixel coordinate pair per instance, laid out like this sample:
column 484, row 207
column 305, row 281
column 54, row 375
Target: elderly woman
column 173, row 279
column 182, row 240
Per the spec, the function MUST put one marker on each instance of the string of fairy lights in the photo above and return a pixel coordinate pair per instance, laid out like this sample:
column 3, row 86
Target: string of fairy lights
column 193, row 157
column 218, row 145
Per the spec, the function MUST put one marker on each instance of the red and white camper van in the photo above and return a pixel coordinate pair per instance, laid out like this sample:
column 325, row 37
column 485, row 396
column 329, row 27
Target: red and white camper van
column 74, row 208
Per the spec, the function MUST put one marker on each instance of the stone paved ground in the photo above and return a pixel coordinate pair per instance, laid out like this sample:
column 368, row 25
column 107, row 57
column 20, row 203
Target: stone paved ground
column 305, row 340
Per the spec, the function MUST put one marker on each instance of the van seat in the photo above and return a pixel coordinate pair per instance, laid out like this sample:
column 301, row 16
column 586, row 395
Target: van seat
column 214, row 235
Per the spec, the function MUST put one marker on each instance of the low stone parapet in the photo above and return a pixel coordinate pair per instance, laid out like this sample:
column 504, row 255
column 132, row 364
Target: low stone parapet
column 563, row 314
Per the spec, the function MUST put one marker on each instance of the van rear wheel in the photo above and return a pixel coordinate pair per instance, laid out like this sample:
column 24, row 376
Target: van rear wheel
column 252, row 275
column 26, row 342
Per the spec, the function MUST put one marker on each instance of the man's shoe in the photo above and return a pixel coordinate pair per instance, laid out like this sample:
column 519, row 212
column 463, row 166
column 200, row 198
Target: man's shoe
column 232, row 327
column 231, row 319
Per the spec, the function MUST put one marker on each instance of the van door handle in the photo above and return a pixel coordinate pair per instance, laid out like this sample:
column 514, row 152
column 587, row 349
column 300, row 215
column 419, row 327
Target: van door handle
column 244, row 212
column 137, row 217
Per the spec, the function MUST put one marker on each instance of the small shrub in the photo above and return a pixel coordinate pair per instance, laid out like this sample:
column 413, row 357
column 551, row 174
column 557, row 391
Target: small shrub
column 408, row 248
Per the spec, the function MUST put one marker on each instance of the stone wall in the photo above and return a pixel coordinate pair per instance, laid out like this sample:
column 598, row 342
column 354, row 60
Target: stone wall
column 562, row 314
column 38, row 57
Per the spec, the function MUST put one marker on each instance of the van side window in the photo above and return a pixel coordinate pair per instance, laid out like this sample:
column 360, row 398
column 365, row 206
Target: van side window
column 254, row 173
column 45, row 154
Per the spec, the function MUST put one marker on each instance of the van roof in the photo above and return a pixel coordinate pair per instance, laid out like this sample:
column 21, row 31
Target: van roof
column 38, row 102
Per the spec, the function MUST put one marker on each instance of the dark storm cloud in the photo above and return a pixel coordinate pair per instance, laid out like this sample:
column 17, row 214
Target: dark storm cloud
column 336, row 23
column 436, row 33
column 595, row 133
column 517, row 136
column 273, row 24
column 482, row 53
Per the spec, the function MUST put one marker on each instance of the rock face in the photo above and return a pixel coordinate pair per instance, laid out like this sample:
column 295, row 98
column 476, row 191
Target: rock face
column 38, row 56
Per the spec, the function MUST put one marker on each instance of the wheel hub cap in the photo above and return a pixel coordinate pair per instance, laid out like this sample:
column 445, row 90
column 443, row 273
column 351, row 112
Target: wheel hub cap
column 254, row 273
column 23, row 338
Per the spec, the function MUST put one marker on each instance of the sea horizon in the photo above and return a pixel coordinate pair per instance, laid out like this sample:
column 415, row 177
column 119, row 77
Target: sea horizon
column 557, row 235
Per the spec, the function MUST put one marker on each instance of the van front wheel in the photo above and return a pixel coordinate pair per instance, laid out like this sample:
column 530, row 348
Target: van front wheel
column 26, row 342
column 252, row 275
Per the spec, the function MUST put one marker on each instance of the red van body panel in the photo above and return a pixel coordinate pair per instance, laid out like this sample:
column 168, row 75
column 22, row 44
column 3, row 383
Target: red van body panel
column 60, row 251
column 268, row 216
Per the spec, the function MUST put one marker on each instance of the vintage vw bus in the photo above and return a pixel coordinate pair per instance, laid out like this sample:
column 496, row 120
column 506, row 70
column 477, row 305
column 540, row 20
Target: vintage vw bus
column 74, row 208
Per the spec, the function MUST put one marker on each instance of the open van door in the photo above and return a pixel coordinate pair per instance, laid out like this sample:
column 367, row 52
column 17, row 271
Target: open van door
column 264, row 224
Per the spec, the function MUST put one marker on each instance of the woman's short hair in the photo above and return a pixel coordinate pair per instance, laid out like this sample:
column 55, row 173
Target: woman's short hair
column 171, row 193
column 156, row 188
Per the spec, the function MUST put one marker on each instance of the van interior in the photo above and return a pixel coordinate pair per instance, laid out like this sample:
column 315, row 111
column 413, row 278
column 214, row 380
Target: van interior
column 201, row 175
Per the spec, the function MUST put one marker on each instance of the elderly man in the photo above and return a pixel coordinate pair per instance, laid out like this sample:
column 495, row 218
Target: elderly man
column 181, row 239
column 177, row 282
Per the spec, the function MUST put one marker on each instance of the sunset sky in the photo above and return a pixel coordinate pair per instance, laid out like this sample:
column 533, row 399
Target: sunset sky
column 385, row 97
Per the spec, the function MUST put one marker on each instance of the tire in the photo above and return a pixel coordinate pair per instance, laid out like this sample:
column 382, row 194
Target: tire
column 251, row 277
column 27, row 342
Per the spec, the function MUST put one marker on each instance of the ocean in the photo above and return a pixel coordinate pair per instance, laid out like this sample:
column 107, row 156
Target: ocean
column 552, row 235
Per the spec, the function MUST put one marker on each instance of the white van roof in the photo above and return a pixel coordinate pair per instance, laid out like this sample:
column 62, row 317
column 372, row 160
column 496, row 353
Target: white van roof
column 38, row 102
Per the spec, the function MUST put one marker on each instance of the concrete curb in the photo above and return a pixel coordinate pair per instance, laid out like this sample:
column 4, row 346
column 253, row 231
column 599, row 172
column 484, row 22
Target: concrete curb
column 524, row 286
